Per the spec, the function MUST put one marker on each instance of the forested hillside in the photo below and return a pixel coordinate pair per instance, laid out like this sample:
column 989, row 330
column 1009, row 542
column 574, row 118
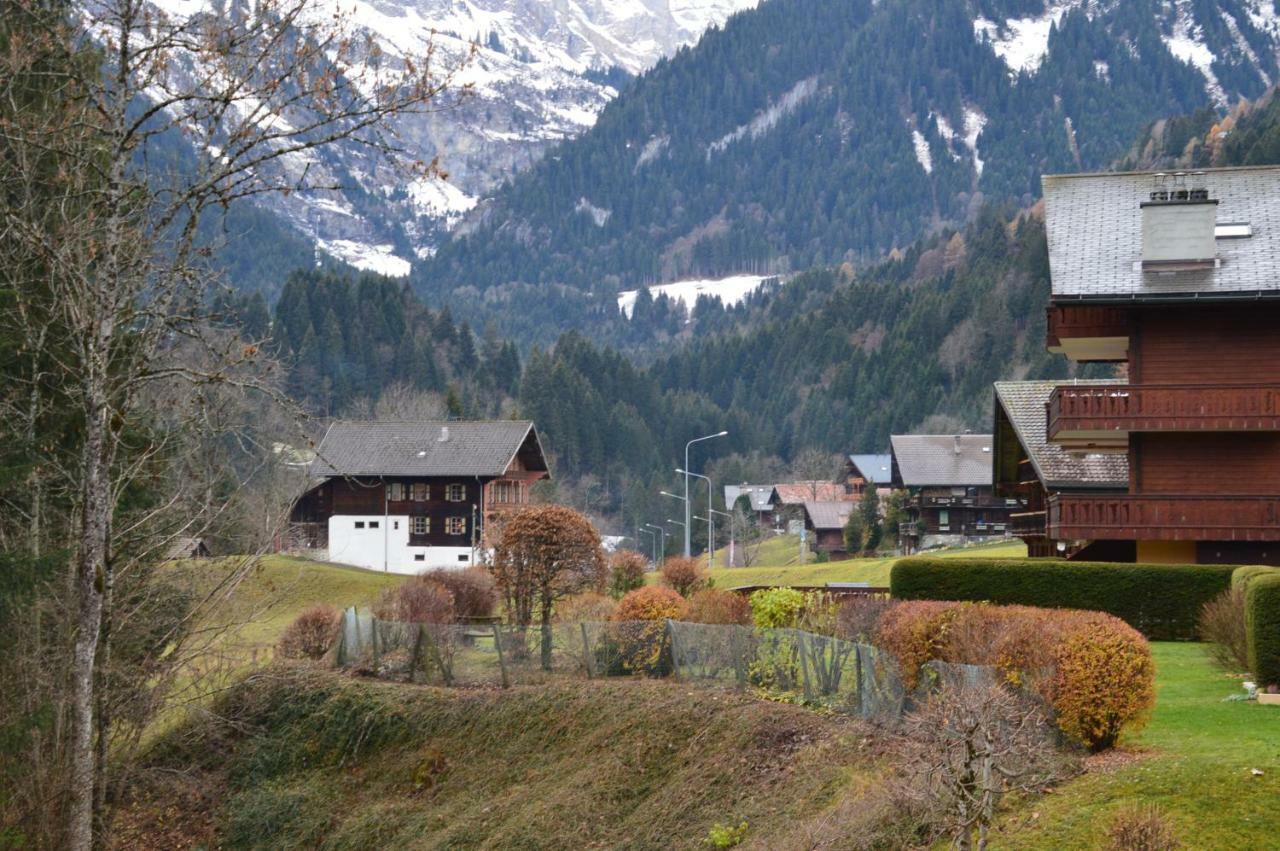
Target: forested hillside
column 808, row 132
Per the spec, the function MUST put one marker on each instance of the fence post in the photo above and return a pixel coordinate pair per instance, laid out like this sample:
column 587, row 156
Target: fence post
column 445, row 673
column 586, row 650
column 416, row 657
column 804, row 663
column 502, row 663
column 857, row 670
column 739, row 662
column 664, row 649
column 373, row 630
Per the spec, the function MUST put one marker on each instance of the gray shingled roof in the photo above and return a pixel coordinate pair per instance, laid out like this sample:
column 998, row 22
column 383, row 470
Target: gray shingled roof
column 417, row 449
column 828, row 515
column 761, row 496
column 874, row 468
column 1023, row 403
column 1094, row 225
column 942, row 459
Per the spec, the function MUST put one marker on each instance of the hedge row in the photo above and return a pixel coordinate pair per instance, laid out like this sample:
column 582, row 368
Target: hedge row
column 1262, row 625
column 1162, row 601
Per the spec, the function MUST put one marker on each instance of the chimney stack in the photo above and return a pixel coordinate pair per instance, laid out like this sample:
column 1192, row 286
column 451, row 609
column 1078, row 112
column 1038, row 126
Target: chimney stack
column 444, row 435
column 1178, row 224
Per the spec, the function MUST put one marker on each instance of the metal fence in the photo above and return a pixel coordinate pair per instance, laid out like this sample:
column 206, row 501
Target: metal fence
column 844, row 676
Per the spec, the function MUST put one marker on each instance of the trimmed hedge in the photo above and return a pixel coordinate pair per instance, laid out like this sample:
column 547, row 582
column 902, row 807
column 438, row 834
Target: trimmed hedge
column 1262, row 625
column 1242, row 576
column 1162, row 601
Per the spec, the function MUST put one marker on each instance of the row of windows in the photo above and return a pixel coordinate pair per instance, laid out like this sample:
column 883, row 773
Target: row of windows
column 421, row 492
column 421, row 525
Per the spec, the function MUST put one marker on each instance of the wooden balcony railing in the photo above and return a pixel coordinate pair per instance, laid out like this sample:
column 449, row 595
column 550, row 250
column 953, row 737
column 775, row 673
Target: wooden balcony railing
column 1164, row 518
column 1027, row 524
column 1076, row 411
column 1080, row 321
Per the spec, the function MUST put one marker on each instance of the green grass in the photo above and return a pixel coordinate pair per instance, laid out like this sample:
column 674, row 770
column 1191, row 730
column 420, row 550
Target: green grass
column 1197, row 753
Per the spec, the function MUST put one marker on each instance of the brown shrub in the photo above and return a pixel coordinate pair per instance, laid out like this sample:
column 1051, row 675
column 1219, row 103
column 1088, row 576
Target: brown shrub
column 475, row 593
column 858, row 618
column 587, row 606
column 311, row 633
column 420, row 600
column 1102, row 674
column 712, row 605
column 1141, row 828
column 651, row 603
column 1222, row 624
column 685, row 575
column 626, row 572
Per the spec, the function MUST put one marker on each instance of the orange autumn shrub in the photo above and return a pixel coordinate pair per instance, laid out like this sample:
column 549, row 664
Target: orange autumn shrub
column 587, row 606
column 651, row 603
column 643, row 614
column 1094, row 670
column 712, row 605
column 311, row 633
column 685, row 576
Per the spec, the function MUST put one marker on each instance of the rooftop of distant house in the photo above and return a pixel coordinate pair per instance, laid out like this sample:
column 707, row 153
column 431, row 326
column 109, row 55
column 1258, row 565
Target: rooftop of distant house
column 827, row 514
column 426, row 448
column 873, row 468
column 795, row 493
column 945, row 460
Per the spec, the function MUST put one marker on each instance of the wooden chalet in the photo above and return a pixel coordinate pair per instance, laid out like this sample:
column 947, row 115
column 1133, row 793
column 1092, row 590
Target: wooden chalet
column 1177, row 277
column 824, row 521
column 407, row 496
column 763, row 499
column 952, row 501
column 863, row 470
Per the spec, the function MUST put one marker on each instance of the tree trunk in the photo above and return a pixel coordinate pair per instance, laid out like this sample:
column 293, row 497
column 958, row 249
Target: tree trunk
column 546, row 630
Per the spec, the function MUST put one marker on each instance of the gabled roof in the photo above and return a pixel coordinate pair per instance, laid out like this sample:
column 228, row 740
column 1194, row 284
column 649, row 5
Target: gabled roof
column 955, row 460
column 873, row 468
column 426, row 448
column 1094, row 225
column 1023, row 403
column 828, row 515
column 761, row 496
column 794, row 493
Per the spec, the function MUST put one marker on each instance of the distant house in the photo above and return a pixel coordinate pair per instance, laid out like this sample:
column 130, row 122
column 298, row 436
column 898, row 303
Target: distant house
column 402, row 497
column 1030, row 467
column 762, row 497
column 798, row 493
column 186, row 547
column 949, row 480
column 862, row 470
column 825, row 523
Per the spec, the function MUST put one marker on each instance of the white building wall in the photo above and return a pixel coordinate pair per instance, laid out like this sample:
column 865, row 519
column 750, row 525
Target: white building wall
column 386, row 546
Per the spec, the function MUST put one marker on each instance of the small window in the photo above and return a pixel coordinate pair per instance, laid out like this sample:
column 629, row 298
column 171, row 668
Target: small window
column 359, row 524
column 944, row 518
column 395, row 492
column 395, row 524
column 455, row 493
column 464, row 558
column 421, row 525
column 455, row 526
column 421, row 492
column 373, row 524
column 419, row 556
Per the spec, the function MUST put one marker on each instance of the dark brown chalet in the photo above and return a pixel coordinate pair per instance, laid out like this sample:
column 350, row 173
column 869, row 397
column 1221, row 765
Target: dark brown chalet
column 825, row 521
column 1177, row 276
column 407, row 496
column 948, row 477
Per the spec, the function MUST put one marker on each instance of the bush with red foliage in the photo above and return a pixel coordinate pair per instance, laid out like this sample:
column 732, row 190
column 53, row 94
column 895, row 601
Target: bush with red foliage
column 420, row 600
column 626, row 572
column 685, row 576
column 311, row 634
column 712, row 605
column 644, row 613
column 475, row 594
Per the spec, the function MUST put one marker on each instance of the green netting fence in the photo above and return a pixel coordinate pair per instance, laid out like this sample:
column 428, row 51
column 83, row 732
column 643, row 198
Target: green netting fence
column 845, row 676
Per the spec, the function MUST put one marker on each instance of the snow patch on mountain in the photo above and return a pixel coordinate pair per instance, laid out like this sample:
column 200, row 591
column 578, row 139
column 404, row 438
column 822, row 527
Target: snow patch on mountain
column 381, row 259
column 974, row 121
column 766, row 119
column 597, row 214
column 730, row 291
column 1022, row 42
column 921, row 145
column 1186, row 43
column 440, row 199
column 651, row 150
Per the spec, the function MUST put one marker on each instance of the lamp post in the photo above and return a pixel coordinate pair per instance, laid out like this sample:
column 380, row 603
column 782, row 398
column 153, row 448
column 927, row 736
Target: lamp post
column 662, row 547
column 686, row 484
column 711, row 525
column 653, row 547
column 714, row 512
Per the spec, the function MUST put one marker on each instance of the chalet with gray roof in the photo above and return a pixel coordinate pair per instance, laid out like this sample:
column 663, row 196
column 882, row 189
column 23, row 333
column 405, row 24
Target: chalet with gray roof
column 863, row 470
column 824, row 521
column 403, row 497
column 763, row 499
column 1176, row 275
column 948, row 477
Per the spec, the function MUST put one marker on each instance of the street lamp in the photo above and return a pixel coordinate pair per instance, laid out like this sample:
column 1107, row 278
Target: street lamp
column 711, row 526
column 653, row 547
column 686, row 484
column 714, row 513
column 673, row 496
column 662, row 547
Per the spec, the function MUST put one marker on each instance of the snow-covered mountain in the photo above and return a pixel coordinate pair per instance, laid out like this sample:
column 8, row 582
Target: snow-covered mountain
column 540, row 72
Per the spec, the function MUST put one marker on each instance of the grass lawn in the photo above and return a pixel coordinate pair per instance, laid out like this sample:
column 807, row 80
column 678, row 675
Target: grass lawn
column 1197, row 753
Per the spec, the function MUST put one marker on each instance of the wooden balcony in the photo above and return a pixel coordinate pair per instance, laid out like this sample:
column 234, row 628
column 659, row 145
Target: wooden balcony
column 1163, row 518
column 1088, row 333
column 1101, row 417
column 1027, row 524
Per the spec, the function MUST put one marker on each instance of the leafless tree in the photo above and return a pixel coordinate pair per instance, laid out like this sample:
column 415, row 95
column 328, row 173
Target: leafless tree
column 814, row 467
column 969, row 746
column 110, row 237
column 403, row 401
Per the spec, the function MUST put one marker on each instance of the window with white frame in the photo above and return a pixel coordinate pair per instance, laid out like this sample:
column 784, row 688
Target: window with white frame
column 455, row 493
column 421, row 491
column 455, row 526
column 420, row 525
column 395, row 492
